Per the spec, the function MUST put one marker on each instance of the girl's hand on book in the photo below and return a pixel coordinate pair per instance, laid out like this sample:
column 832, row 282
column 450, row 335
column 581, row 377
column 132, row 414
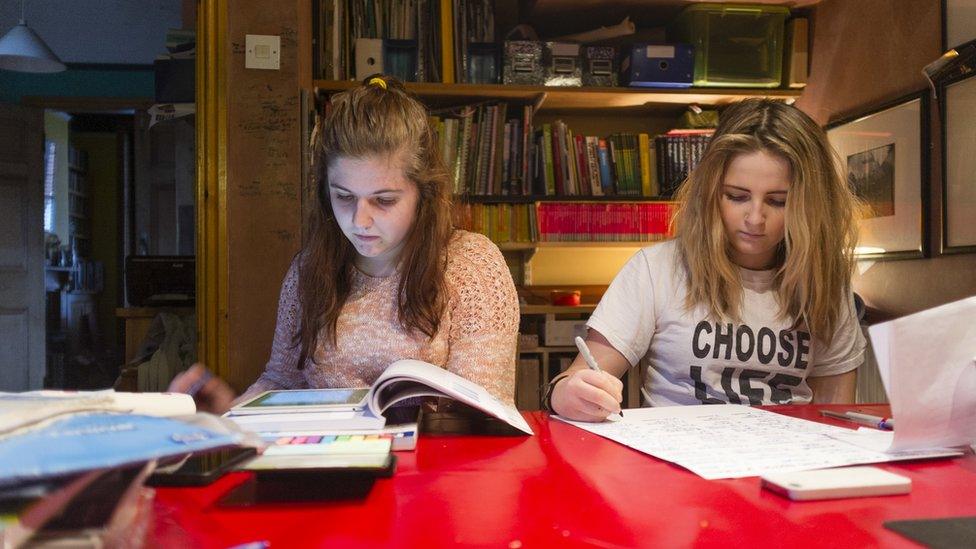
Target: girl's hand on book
column 210, row 393
column 587, row 395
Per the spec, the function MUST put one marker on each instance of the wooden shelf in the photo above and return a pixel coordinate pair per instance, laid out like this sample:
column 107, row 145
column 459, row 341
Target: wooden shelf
column 555, row 309
column 508, row 199
column 542, row 349
column 521, row 246
column 567, row 98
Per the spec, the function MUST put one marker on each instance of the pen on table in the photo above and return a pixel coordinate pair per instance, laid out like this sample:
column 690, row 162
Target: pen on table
column 885, row 423
column 588, row 358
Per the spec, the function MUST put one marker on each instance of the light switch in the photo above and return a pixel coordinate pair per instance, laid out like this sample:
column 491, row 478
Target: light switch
column 262, row 52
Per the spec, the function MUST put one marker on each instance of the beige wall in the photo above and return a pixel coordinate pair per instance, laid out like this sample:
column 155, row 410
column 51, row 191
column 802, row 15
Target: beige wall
column 865, row 53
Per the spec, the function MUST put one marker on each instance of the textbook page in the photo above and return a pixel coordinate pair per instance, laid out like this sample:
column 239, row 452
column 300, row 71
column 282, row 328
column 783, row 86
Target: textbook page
column 927, row 362
column 415, row 378
column 20, row 410
column 731, row 441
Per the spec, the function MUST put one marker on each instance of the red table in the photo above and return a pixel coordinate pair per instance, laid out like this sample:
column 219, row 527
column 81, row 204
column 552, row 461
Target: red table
column 568, row 487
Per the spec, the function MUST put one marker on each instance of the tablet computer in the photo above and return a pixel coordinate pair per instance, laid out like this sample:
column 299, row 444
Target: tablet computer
column 304, row 400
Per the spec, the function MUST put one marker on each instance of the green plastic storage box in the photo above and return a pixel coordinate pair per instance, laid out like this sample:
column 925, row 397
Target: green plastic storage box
column 736, row 45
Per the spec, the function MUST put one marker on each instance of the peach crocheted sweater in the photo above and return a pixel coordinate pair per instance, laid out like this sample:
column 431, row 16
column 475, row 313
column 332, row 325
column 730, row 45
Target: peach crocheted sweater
column 476, row 338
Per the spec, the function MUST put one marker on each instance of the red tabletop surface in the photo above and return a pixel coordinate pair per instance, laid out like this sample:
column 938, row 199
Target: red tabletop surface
column 568, row 487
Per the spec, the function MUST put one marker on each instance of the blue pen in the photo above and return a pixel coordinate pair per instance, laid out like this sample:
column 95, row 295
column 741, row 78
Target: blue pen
column 884, row 423
column 888, row 424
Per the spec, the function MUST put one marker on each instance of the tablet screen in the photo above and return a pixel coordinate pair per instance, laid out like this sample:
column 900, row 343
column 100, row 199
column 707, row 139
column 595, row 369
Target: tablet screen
column 310, row 397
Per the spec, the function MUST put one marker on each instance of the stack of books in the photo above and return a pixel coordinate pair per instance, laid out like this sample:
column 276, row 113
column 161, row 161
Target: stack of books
column 72, row 464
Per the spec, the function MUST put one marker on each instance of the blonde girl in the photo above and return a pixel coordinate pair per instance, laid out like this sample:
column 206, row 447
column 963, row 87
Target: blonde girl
column 751, row 302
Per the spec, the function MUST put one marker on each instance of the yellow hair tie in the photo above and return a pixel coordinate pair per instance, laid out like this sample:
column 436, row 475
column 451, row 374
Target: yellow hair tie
column 378, row 81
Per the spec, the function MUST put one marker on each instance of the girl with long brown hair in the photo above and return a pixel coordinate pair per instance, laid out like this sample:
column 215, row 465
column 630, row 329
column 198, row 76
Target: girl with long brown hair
column 384, row 275
column 751, row 303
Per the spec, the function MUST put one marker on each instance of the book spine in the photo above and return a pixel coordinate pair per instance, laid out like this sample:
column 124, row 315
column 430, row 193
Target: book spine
column 579, row 146
column 547, row 160
column 447, row 41
column 499, row 165
column 593, row 163
column 606, row 176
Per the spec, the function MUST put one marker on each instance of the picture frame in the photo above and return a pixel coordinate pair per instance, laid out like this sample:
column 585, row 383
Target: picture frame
column 958, row 99
column 884, row 153
column 958, row 23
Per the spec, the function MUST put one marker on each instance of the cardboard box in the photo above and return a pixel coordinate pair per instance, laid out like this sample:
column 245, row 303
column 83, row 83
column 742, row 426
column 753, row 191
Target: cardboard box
column 562, row 332
column 175, row 80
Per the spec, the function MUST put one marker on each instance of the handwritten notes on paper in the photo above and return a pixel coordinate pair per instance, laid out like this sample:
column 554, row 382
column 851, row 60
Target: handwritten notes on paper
column 728, row 441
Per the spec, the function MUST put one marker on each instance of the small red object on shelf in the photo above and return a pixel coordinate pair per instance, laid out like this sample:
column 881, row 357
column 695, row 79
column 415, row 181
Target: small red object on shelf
column 565, row 298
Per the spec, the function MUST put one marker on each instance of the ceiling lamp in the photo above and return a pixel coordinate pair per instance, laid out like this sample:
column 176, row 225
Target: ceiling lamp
column 22, row 50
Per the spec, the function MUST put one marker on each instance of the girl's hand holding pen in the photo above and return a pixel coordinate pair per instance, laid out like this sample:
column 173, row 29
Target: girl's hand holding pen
column 210, row 393
column 587, row 395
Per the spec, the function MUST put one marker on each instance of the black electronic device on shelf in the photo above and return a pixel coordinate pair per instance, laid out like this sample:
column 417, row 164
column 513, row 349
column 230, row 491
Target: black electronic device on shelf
column 160, row 280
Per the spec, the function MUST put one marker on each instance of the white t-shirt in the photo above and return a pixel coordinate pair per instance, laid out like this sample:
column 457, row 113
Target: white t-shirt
column 694, row 359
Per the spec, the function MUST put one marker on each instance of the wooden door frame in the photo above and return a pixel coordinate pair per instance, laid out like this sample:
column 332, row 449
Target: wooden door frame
column 211, row 154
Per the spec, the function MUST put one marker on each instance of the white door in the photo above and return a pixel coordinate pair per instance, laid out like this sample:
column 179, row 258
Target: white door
column 21, row 248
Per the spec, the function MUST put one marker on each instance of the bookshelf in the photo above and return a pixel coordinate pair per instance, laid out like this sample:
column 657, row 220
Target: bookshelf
column 580, row 227
column 79, row 206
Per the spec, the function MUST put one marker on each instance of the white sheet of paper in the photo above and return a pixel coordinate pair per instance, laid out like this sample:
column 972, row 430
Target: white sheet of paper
column 730, row 441
column 927, row 363
column 880, row 441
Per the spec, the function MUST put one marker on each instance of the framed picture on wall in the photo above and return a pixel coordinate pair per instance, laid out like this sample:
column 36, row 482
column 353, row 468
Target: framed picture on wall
column 958, row 165
column 884, row 154
column 958, row 23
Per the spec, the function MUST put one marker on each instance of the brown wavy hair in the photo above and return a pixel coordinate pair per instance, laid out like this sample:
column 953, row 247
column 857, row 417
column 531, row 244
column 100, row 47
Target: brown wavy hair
column 376, row 119
column 815, row 260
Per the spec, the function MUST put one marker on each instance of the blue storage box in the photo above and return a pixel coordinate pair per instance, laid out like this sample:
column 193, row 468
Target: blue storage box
column 657, row 66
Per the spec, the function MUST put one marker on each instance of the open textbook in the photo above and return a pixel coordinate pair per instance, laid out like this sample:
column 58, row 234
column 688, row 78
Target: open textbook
column 402, row 380
column 731, row 441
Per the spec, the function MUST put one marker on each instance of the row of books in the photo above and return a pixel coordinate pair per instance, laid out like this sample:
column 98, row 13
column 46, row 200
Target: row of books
column 485, row 150
column 604, row 222
column 438, row 31
column 568, row 222
column 88, row 276
column 494, row 150
column 502, row 223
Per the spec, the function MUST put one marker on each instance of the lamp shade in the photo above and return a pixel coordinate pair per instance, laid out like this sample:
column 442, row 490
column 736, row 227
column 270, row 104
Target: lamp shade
column 22, row 50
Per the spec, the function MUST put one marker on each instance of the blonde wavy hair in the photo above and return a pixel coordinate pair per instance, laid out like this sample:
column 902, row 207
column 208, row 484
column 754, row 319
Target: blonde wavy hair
column 815, row 260
column 378, row 118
